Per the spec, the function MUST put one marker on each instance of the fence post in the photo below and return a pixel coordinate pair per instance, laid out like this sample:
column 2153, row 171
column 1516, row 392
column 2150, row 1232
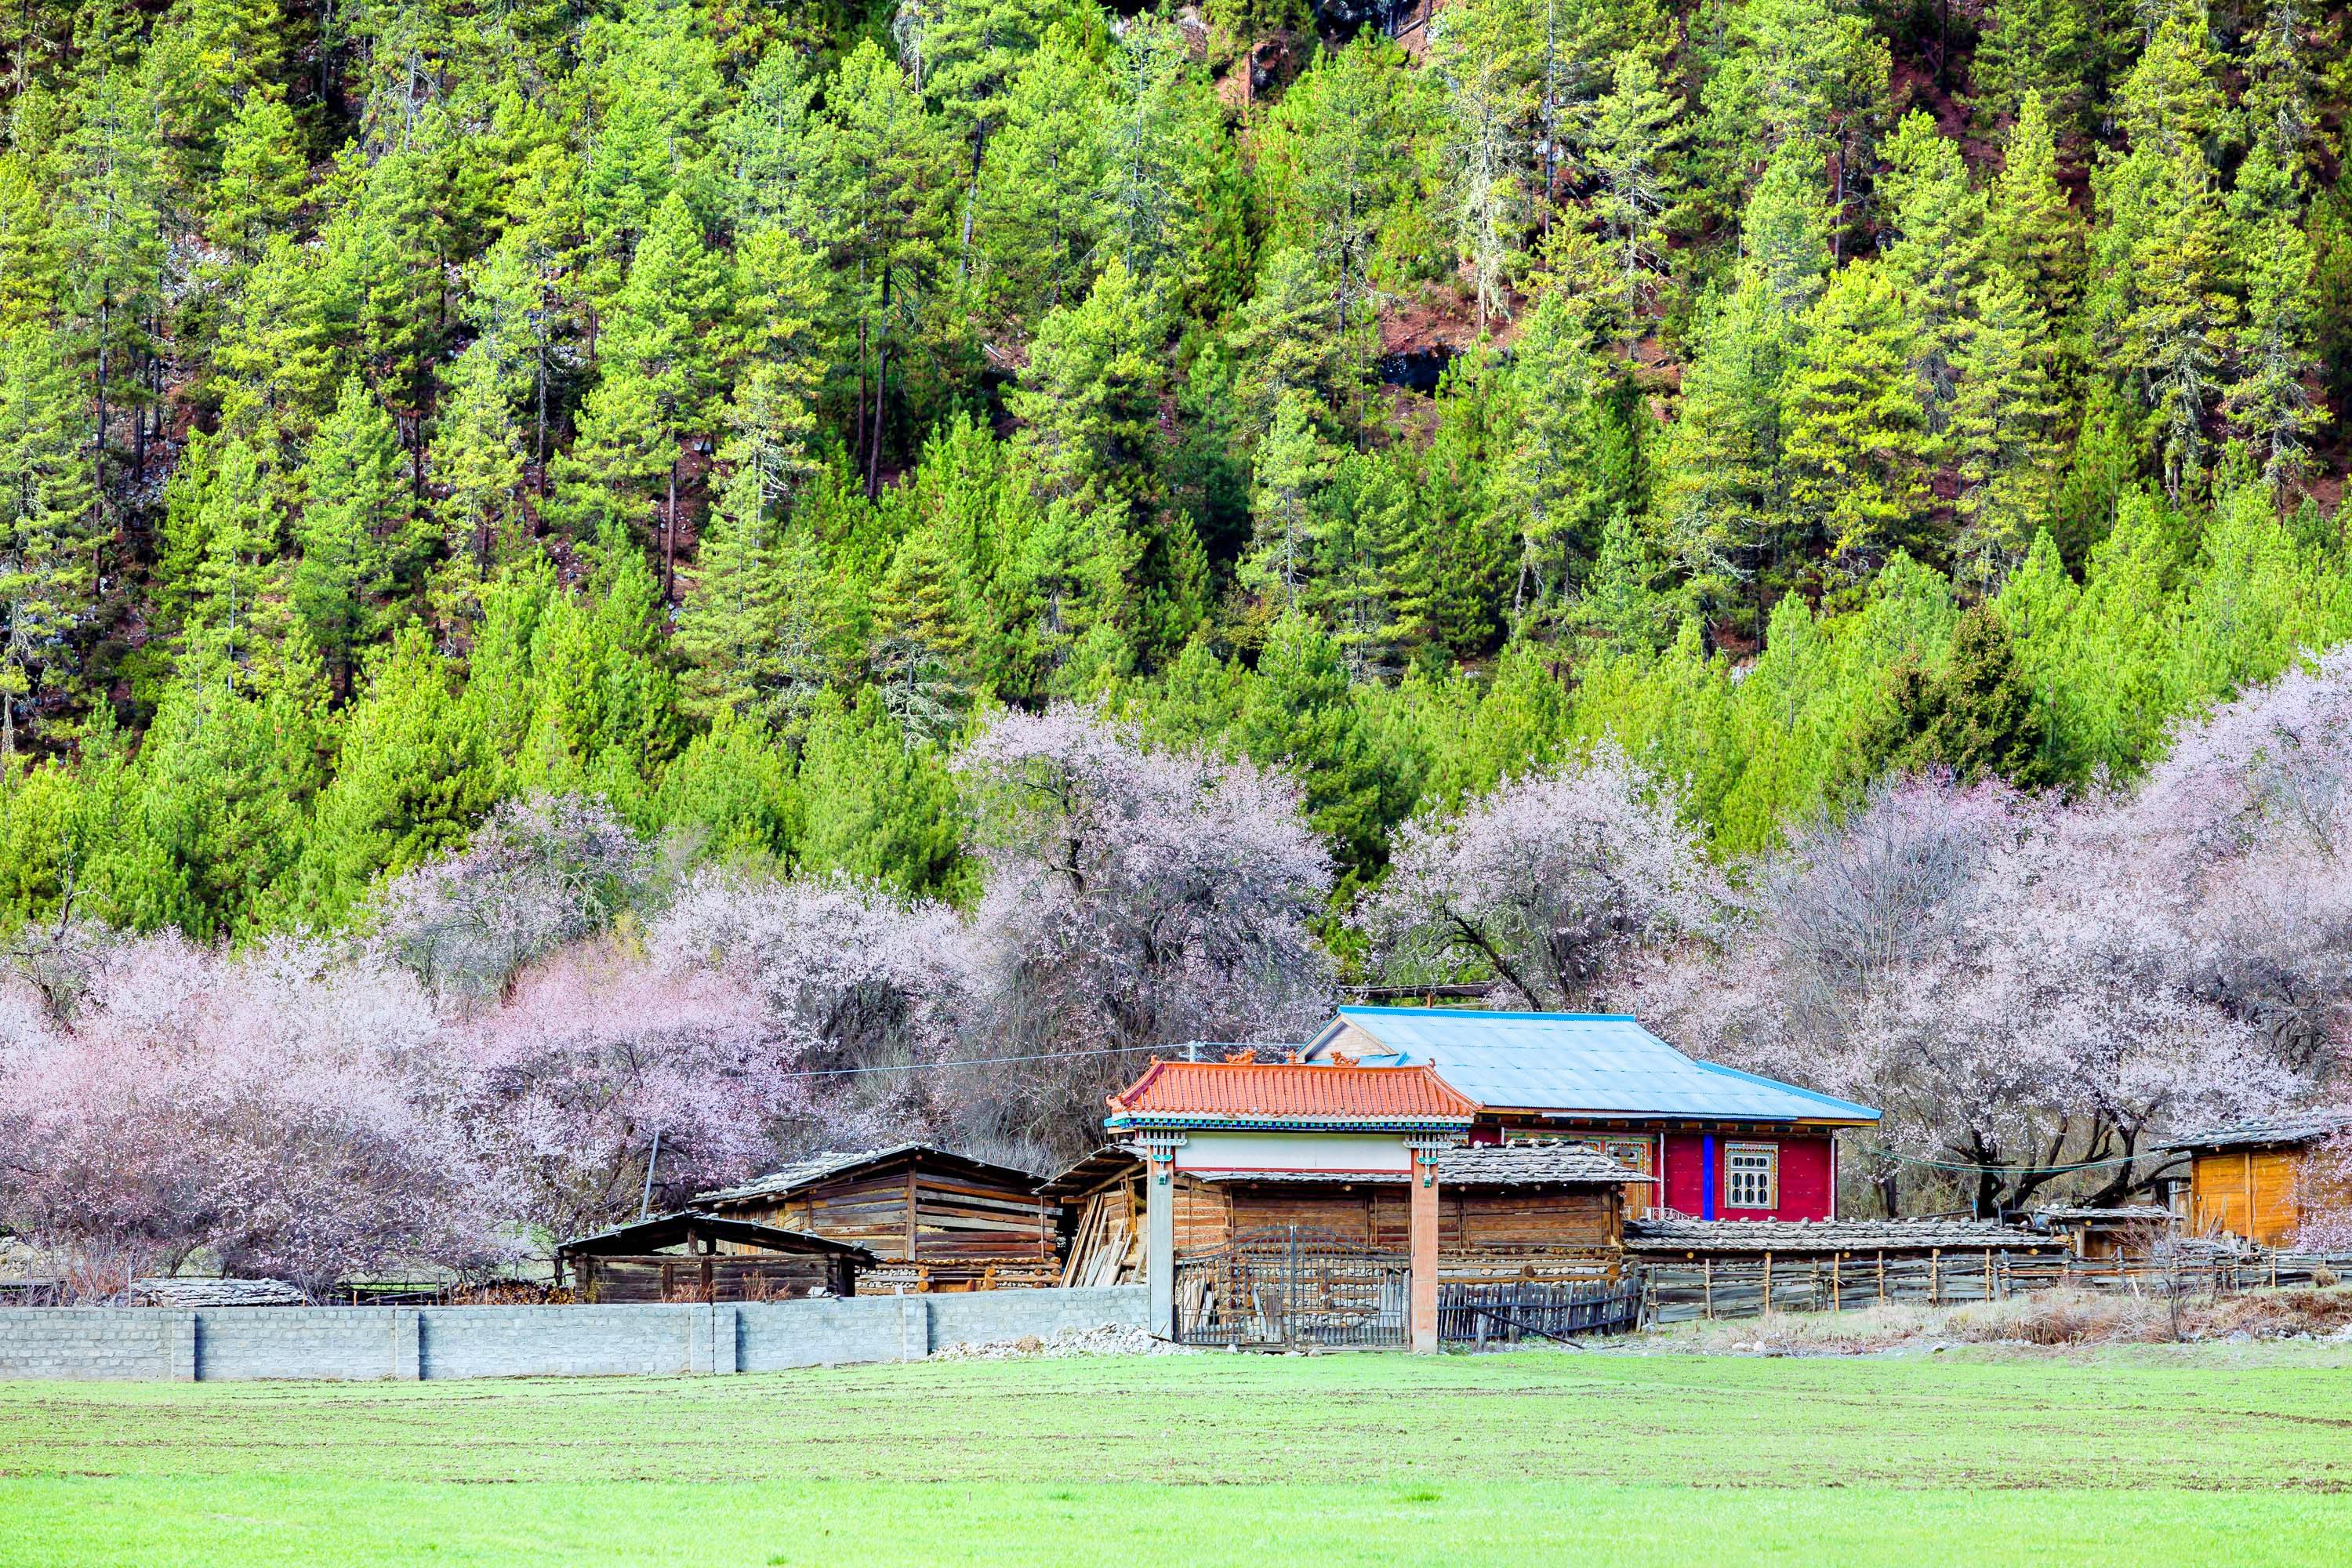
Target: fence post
column 1837, row 1298
column 1936, row 1277
column 1768, row 1285
column 1707, row 1280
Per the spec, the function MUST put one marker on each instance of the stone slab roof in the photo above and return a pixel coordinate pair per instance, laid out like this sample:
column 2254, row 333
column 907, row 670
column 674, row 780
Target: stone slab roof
column 1675, row 1234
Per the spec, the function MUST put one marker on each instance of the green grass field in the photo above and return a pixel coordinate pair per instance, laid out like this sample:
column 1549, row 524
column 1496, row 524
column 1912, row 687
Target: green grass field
column 2139, row 1458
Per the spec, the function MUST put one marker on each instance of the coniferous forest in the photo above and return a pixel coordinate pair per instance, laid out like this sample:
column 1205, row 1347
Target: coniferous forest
column 722, row 409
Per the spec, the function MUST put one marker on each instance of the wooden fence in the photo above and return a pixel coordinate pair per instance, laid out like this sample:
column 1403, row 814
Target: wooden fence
column 1515, row 1310
column 1744, row 1285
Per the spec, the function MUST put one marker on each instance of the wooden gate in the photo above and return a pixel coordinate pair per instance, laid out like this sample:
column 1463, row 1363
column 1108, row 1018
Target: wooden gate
column 1292, row 1287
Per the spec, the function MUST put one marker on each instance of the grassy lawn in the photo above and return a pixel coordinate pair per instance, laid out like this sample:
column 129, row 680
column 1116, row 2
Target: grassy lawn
column 2140, row 1457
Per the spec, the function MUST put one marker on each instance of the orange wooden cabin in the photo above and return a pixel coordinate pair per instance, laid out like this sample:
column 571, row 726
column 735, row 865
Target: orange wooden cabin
column 2252, row 1179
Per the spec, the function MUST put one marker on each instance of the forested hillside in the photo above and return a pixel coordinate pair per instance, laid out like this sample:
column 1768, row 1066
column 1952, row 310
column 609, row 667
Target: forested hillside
column 723, row 408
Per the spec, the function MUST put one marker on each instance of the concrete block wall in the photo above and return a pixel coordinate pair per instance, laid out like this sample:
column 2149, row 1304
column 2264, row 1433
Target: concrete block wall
column 410, row 1342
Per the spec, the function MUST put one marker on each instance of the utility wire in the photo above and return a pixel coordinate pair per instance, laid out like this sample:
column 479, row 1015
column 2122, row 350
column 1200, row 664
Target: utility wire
column 2164, row 1156
column 1041, row 1057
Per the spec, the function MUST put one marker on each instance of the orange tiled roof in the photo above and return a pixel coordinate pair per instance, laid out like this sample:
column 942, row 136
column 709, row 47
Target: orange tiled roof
column 1260, row 1093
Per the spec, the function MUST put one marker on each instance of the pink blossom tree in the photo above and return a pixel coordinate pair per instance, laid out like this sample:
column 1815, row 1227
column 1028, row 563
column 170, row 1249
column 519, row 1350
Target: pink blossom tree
column 269, row 1114
column 2322, row 1192
column 542, row 871
column 1135, row 898
column 563, row 1088
column 1547, row 884
column 2014, row 983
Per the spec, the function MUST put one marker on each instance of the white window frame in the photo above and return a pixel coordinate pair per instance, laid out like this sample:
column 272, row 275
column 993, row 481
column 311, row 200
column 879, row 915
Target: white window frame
column 1736, row 1180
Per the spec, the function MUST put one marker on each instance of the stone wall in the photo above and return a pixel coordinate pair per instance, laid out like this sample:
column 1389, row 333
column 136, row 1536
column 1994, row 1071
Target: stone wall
column 407, row 1342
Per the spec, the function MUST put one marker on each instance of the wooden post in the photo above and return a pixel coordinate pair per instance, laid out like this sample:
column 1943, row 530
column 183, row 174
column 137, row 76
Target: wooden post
column 1706, row 1277
column 1936, row 1277
column 1768, row 1285
column 1882, row 1277
column 1989, row 1274
column 1837, row 1297
column 1159, row 1224
column 1422, row 1327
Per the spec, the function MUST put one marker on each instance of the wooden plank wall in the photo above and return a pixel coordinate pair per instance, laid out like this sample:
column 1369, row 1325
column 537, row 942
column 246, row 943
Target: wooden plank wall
column 2248, row 1193
column 1497, row 1234
column 683, row 1278
column 935, row 1225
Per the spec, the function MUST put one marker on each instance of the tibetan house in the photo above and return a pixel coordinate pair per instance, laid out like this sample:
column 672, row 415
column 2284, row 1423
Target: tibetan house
column 1287, row 1192
column 696, row 1256
column 2251, row 1179
column 932, row 1219
column 1718, row 1144
column 1520, row 1211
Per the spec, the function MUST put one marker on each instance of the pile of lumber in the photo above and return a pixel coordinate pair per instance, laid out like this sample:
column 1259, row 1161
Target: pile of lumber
column 188, row 1293
column 1108, row 1247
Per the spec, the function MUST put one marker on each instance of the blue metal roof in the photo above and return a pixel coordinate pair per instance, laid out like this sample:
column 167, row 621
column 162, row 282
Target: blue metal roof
column 1601, row 1064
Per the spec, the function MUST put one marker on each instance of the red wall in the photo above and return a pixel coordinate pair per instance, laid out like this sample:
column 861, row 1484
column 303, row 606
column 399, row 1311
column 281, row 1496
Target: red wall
column 1806, row 1187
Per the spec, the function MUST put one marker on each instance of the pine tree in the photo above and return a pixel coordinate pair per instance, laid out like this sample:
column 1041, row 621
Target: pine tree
column 1727, row 496
column 478, row 458
column 2031, row 228
column 1284, row 342
column 2170, row 105
column 1041, row 215
column 883, row 181
column 608, row 478
column 2033, row 49
column 1857, row 439
column 1547, row 477
column 1364, row 517
column 2005, row 426
column 1634, row 143
column 1976, row 715
column 1164, row 151
column 262, row 175
column 1784, row 233
column 1089, row 398
column 1339, row 171
column 110, row 223
column 1481, row 50
column 47, row 534
column 1936, row 247
column 2158, row 311
column 411, row 782
column 238, row 611
column 353, row 530
column 659, row 335
column 1293, row 464
column 923, row 637
column 771, row 423
column 729, row 632
column 2269, row 405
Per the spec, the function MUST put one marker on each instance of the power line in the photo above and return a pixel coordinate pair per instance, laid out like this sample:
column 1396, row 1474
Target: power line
column 1001, row 1062
column 2165, row 1156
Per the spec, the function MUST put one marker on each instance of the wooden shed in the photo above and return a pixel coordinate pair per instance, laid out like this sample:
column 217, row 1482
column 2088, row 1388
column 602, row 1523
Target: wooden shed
column 2248, row 1179
column 696, row 1256
column 934, row 1220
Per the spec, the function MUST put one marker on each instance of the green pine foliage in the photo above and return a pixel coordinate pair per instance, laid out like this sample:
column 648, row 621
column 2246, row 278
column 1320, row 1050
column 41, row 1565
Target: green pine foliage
column 722, row 411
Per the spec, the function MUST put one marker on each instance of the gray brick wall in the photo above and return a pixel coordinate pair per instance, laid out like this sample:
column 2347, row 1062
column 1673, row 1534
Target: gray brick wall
column 405, row 1342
